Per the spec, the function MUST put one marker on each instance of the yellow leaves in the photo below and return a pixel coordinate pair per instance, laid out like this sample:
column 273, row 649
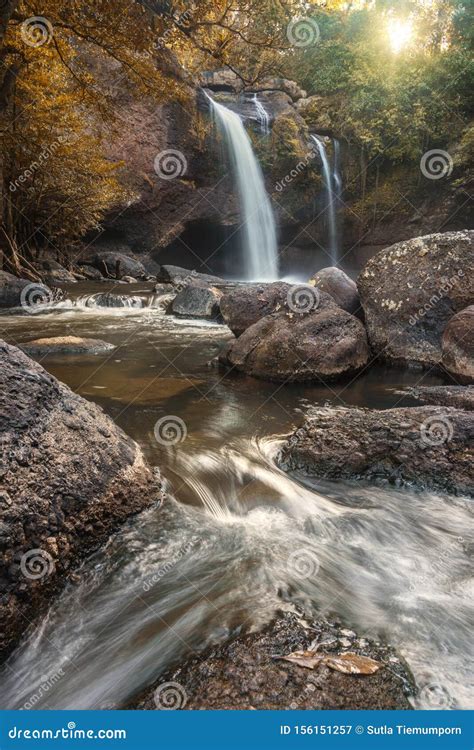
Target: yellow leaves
column 347, row 662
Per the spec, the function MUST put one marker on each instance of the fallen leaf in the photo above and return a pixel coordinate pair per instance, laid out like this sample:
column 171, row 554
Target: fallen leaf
column 349, row 663
column 308, row 659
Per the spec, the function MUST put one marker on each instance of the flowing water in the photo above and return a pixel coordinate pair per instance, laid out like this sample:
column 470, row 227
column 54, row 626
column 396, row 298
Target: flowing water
column 332, row 189
column 259, row 232
column 262, row 115
column 219, row 554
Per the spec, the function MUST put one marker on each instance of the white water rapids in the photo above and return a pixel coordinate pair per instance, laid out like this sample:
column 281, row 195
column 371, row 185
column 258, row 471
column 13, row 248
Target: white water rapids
column 219, row 554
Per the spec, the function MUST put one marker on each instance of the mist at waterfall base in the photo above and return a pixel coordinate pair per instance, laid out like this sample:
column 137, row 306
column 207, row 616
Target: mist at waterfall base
column 260, row 251
column 215, row 558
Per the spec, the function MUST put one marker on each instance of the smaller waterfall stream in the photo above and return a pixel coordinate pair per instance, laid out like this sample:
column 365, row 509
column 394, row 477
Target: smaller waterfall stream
column 262, row 115
column 259, row 228
column 333, row 190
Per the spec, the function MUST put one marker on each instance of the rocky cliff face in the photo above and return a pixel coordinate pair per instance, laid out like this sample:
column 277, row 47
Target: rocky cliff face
column 195, row 215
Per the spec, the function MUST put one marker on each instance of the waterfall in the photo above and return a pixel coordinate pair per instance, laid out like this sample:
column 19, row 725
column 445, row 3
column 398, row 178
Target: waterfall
column 262, row 115
column 333, row 189
column 259, row 228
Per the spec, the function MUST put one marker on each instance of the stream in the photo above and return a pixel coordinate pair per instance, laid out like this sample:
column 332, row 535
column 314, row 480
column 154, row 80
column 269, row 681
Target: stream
column 237, row 539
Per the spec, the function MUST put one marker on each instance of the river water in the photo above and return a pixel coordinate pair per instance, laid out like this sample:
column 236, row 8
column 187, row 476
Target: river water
column 237, row 539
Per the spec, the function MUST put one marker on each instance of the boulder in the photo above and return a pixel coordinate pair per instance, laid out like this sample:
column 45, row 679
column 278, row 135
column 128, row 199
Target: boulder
column 340, row 286
column 68, row 478
column 182, row 276
column 59, row 277
column 245, row 305
column 323, row 345
column 66, row 345
column 197, row 301
column 314, row 111
column 459, row 396
column 411, row 290
column 90, row 273
column 245, row 673
column 10, row 289
column 117, row 265
column 291, row 88
column 108, row 299
column 457, row 346
column 427, row 446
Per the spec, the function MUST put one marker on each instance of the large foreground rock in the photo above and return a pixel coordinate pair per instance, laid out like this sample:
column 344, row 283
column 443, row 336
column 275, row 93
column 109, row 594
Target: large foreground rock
column 322, row 345
column 244, row 674
column 340, row 286
column 197, row 301
column 428, row 446
column 410, row 291
column 68, row 478
column 245, row 305
column 458, row 346
column 10, row 289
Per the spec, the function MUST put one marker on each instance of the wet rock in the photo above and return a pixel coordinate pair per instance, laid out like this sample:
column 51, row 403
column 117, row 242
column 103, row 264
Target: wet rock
column 68, row 486
column 322, row 345
column 458, row 346
column 53, row 272
column 197, row 301
column 244, row 674
column 90, row 273
column 183, row 276
column 410, row 291
column 129, row 279
column 245, row 305
column 116, row 265
column 59, row 277
column 342, row 289
column 66, row 345
column 10, row 289
column 108, row 299
column 459, row 396
column 427, row 447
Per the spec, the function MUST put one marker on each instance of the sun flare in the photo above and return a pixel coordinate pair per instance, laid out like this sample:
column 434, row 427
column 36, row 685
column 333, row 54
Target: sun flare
column 400, row 33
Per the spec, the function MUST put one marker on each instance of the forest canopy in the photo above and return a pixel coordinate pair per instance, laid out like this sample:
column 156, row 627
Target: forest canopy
column 394, row 78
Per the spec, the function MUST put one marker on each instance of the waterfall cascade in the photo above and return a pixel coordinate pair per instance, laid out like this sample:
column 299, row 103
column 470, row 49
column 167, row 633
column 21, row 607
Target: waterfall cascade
column 262, row 115
column 333, row 191
column 259, row 227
